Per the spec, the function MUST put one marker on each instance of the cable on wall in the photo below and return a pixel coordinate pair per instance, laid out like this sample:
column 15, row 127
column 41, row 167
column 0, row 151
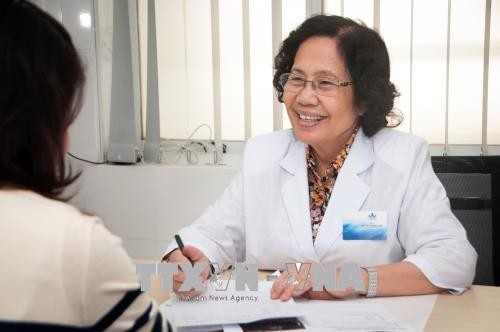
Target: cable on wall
column 85, row 160
column 191, row 149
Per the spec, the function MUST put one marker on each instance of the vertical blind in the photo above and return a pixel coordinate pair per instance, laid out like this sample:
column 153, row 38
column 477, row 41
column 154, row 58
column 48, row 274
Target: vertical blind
column 215, row 65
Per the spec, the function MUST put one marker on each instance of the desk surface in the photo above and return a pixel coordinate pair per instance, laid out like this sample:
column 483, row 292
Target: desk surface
column 478, row 309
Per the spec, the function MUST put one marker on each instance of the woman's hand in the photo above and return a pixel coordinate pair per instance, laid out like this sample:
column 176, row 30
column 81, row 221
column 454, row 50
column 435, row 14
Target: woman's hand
column 300, row 285
column 287, row 286
column 190, row 255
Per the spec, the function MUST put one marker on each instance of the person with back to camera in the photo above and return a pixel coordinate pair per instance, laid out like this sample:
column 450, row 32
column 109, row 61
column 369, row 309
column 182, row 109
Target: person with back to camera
column 61, row 270
column 305, row 195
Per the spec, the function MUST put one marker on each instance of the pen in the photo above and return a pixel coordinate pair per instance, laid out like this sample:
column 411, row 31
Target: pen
column 180, row 244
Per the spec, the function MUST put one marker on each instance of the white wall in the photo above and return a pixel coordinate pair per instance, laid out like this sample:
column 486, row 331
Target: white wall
column 146, row 204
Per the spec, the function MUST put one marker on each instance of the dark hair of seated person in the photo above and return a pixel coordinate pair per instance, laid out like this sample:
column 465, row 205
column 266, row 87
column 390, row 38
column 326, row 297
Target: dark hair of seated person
column 41, row 83
column 366, row 58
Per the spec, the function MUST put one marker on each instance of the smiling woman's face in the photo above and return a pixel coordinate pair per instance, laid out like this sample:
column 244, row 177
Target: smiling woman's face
column 318, row 120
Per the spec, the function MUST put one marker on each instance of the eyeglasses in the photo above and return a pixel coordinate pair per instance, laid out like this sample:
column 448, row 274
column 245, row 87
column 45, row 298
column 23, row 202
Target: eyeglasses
column 323, row 86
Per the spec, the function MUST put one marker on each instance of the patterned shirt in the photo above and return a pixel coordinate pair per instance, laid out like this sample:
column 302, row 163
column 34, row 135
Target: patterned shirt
column 320, row 187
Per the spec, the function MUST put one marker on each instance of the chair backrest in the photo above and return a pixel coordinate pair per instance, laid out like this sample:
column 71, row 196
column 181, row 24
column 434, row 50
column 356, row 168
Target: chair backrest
column 473, row 187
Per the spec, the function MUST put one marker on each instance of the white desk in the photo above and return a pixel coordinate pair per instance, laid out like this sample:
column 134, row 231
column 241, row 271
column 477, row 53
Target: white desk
column 478, row 309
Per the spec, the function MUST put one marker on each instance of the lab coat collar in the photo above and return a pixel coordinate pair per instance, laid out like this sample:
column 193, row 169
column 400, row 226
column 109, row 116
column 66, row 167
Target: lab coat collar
column 361, row 155
column 295, row 194
column 294, row 158
column 348, row 194
column 359, row 159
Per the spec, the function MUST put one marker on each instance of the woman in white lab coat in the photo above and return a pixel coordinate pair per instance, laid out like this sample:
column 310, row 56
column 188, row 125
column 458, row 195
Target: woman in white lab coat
column 339, row 187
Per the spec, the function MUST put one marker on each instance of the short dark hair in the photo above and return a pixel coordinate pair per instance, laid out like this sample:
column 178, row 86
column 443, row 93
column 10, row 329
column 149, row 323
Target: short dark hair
column 41, row 83
column 366, row 58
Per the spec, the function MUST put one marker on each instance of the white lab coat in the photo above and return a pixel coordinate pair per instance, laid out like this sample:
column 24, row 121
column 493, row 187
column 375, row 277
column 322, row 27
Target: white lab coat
column 263, row 215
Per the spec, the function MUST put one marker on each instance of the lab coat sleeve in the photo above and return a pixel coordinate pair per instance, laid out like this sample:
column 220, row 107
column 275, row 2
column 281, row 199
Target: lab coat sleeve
column 433, row 238
column 219, row 231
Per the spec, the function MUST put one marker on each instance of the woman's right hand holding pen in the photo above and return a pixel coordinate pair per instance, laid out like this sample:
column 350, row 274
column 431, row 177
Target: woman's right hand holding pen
column 190, row 255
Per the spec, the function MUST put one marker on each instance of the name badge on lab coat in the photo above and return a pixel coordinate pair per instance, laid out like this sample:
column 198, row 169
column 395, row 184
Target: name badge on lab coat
column 364, row 225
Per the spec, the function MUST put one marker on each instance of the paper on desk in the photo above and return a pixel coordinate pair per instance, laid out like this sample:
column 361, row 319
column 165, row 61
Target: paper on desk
column 412, row 310
column 349, row 315
column 229, row 307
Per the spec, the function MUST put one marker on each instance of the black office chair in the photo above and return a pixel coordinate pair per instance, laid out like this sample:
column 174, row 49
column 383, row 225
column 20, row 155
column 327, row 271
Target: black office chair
column 473, row 187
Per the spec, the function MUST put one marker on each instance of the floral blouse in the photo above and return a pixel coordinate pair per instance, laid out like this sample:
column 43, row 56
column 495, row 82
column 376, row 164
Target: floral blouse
column 320, row 187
